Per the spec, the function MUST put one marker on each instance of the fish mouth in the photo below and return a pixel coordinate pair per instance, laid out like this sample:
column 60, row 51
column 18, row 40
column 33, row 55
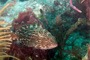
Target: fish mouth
column 52, row 46
column 49, row 47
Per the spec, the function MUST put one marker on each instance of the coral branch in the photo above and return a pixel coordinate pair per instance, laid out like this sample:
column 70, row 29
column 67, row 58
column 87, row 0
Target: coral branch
column 74, row 7
column 8, row 27
column 44, row 16
column 4, row 55
column 82, row 1
column 87, row 3
column 4, row 8
column 5, row 41
column 74, row 26
column 2, row 23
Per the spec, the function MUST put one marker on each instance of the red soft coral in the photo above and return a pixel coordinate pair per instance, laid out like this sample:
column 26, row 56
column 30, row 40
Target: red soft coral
column 87, row 3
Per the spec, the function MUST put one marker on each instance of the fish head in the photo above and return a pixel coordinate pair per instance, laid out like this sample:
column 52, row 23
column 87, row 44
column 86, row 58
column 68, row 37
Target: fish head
column 43, row 39
column 36, row 36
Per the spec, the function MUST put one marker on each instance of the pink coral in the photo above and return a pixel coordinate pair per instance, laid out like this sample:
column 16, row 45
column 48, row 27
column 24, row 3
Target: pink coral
column 74, row 7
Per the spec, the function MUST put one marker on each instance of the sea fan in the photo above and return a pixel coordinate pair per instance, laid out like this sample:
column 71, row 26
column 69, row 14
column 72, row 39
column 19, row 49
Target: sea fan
column 3, row 55
column 5, row 40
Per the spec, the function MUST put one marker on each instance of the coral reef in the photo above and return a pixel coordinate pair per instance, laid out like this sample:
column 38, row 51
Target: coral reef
column 37, row 26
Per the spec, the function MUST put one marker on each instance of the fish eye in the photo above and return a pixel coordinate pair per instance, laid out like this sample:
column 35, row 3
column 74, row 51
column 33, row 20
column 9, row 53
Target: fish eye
column 16, row 22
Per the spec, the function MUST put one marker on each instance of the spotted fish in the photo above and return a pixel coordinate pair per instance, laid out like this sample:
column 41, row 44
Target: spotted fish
column 32, row 33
